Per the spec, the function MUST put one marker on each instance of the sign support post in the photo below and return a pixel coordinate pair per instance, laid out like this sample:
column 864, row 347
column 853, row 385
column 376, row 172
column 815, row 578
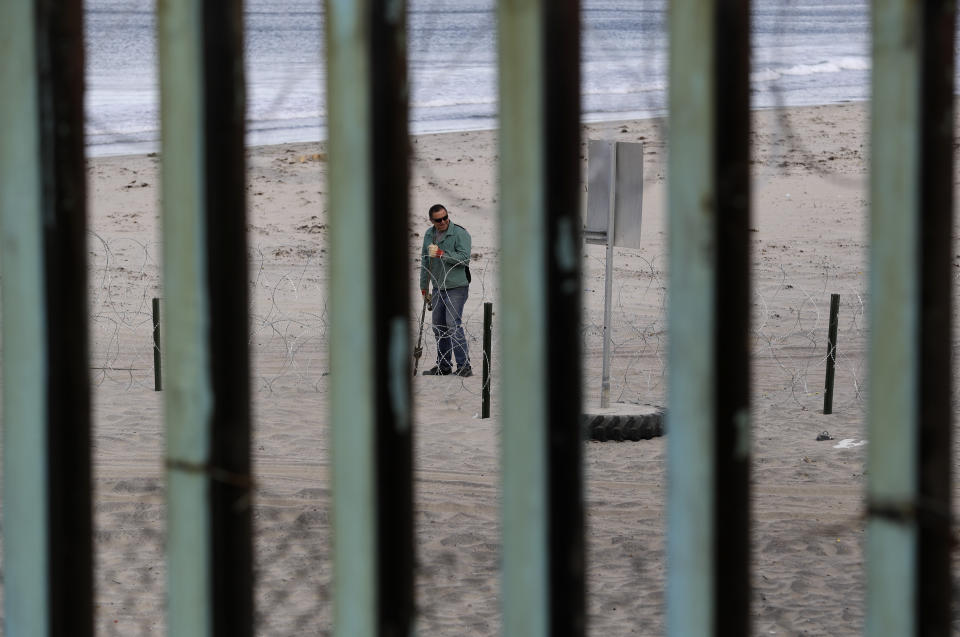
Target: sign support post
column 614, row 207
column 608, row 284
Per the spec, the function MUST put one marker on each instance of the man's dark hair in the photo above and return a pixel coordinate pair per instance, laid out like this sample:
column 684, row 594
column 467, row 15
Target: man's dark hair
column 436, row 208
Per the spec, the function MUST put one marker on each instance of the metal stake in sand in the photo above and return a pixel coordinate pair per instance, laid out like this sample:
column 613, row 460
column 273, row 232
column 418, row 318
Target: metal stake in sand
column 485, row 391
column 157, row 379
column 831, row 354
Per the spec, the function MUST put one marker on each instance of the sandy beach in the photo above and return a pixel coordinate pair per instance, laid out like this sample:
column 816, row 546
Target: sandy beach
column 809, row 239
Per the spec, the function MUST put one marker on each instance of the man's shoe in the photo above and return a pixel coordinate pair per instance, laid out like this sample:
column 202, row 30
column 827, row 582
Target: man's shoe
column 464, row 371
column 437, row 371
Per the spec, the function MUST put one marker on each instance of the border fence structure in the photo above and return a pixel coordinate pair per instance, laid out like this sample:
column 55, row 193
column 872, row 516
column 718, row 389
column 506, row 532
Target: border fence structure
column 47, row 535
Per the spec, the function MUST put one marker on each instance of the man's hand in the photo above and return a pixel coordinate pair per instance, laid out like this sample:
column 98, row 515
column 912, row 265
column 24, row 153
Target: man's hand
column 434, row 250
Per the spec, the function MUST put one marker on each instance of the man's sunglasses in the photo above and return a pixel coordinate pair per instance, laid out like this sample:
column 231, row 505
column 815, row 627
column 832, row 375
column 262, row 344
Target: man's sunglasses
column 441, row 219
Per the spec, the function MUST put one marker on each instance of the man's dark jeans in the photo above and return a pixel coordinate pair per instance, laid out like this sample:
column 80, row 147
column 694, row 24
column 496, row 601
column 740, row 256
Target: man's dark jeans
column 447, row 316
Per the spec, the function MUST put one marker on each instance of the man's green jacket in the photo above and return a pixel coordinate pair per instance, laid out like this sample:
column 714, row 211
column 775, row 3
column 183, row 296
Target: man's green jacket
column 449, row 270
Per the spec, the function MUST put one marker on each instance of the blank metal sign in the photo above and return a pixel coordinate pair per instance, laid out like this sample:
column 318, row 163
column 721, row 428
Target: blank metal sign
column 628, row 194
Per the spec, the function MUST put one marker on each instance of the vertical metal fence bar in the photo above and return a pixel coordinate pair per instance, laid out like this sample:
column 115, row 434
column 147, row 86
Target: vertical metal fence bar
column 892, row 406
column 523, row 345
column 935, row 583
column 690, row 456
column 732, row 315
column 25, row 548
column 60, row 60
column 353, row 395
column 390, row 289
column 230, row 482
column 188, row 394
column 562, row 259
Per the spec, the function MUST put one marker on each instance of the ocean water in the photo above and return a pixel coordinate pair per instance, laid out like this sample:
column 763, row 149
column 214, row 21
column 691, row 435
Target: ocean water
column 804, row 52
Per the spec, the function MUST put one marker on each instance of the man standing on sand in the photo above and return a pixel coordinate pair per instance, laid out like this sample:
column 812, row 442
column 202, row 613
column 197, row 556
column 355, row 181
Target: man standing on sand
column 445, row 261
